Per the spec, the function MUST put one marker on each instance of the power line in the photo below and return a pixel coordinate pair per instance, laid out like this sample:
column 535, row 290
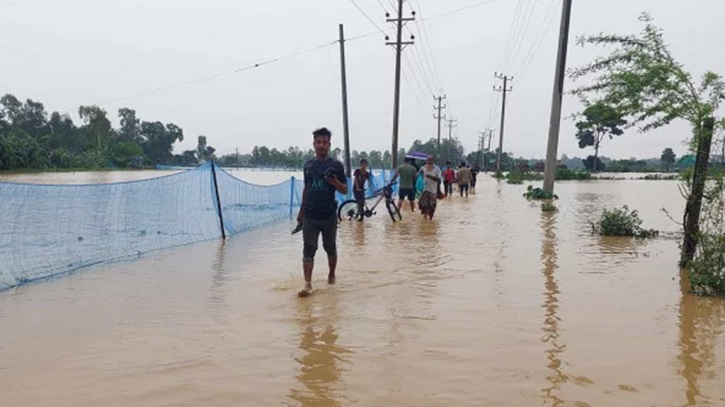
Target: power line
column 541, row 34
column 274, row 60
column 512, row 31
column 427, row 50
column 528, row 12
column 483, row 3
column 426, row 77
column 242, row 69
column 382, row 5
column 368, row 17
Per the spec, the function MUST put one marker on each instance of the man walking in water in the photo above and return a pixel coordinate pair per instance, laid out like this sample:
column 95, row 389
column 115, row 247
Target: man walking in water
column 432, row 176
column 407, row 174
column 360, row 176
column 449, row 177
column 463, row 177
column 323, row 177
column 474, row 176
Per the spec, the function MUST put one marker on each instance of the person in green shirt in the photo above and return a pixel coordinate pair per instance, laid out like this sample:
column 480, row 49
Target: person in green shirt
column 407, row 174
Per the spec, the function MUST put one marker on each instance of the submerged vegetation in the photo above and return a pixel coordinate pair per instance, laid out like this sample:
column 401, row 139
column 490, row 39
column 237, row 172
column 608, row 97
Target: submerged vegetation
column 538, row 194
column 621, row 222
column 707, row 268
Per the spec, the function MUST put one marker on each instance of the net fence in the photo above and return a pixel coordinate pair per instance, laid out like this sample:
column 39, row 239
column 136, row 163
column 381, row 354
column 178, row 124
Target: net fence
column 50, row 230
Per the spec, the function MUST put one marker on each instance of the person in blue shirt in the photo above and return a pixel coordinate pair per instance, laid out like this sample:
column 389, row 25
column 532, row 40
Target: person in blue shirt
column 323, row 177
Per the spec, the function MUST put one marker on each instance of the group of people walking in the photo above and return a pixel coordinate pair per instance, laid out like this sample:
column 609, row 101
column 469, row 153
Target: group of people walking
column 325, row 176
column 432, row 177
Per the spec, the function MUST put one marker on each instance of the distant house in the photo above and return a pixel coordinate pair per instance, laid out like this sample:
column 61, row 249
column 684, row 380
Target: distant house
column 686, row 161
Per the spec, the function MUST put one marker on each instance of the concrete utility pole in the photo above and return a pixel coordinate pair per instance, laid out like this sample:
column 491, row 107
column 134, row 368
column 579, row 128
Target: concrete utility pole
column 481, row 146
column 505, row 89
column 450, row 125
column 345, row 125
column 487, row 149
column 399, row 44
column 439, row 117
column 555, row 119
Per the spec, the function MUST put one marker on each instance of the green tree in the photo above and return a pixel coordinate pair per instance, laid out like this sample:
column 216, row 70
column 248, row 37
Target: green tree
column 97, row 126
column 64, row 134
column 376, row 159
column 387, row 159
column 668, row 158
column 130, row 125
column 126, row 154
column 642, row 80
column 600, row 120
column 201, row 148
column 29, row 116
column 593, row 163
column 158, row 140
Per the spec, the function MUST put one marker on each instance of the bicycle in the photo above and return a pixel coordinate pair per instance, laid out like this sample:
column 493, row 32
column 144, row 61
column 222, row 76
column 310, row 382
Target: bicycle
column 350, row 210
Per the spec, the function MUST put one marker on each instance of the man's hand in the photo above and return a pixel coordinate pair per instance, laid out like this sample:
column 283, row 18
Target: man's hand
column 333, row 181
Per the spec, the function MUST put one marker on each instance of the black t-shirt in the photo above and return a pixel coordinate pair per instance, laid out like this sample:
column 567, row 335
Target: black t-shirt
column 321, row 202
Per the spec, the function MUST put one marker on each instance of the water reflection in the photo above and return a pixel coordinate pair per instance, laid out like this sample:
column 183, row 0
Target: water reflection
column 701, row 323
column 320, row 366
column 358, row 234
column 219, row 276
column 551, row 305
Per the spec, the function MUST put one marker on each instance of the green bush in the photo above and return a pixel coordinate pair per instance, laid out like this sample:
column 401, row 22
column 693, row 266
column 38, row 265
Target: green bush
column 660, row 177
column 538, row 193
column 621, row 222
column 707, row 268
column 563, row 174
column 514, row 178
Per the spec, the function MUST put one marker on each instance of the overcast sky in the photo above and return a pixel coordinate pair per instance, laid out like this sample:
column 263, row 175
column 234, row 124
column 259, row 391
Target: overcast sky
column 73, row 52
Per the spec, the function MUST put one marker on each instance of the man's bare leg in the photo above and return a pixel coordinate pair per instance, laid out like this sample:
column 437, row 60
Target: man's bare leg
column 332, row 263
column 307, row 267
column 412, row 206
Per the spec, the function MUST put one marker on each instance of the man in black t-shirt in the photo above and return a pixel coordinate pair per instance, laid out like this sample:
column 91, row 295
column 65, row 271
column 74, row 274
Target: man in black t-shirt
column 323, row 177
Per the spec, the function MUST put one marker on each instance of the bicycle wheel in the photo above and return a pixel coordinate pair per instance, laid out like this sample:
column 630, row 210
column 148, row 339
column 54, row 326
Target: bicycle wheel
column 393, row 211
column 348, row 210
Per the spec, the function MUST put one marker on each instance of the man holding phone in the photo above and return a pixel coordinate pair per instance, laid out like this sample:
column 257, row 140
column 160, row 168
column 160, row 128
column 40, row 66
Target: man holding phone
column 323, row 177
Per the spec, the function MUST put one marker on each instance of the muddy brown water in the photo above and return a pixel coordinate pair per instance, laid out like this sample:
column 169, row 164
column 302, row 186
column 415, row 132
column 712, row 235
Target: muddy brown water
column 491, row 303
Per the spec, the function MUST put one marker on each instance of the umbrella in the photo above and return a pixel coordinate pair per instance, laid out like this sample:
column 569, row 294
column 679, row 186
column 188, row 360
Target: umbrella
column 417, row 155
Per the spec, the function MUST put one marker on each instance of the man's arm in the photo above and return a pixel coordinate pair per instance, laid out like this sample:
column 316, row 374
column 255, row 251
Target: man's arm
column 433, row 177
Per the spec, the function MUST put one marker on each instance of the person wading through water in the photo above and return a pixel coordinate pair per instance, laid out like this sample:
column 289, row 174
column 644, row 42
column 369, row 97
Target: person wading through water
column 407, row 174
column 323, row 177
column 432, row 175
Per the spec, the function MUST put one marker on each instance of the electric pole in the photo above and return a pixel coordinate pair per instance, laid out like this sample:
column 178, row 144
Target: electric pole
column 487, row 149
column 345, row 126
column 555, row 119
column 504, row 89
column 451, row 125
column 481, row 145
column 439, row 117
column 399, row 44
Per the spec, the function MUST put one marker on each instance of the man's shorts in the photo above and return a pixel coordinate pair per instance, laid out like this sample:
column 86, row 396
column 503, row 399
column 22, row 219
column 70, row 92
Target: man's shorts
column 407, row 193
column 359, row 196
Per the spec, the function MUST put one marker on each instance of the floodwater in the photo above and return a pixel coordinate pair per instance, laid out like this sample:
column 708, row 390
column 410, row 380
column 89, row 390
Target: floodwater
column 492, row 303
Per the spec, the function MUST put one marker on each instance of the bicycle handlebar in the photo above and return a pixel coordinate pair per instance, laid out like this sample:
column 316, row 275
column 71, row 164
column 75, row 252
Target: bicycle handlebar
column 378, row 191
